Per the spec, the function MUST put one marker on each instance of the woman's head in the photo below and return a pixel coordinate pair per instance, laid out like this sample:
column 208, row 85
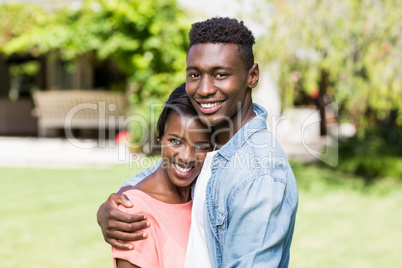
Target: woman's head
column 178, row 102
column 184, row 139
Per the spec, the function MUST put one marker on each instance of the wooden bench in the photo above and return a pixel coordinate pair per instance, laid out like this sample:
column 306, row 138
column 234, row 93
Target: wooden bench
column 78, row 109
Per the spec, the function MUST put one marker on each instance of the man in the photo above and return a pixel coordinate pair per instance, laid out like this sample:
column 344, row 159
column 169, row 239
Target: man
column 245, row 202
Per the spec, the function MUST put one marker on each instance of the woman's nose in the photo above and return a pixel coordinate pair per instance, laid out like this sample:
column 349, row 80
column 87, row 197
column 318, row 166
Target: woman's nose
column 187, row 154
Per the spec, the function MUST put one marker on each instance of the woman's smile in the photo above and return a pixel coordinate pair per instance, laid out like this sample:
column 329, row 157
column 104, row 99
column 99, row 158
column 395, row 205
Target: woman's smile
column 181, row 171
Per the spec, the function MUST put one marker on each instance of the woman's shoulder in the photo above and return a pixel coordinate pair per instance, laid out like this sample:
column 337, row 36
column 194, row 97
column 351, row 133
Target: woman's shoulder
column 156, row 210
column 139, row 199
column 137, row 194
column 153, row 199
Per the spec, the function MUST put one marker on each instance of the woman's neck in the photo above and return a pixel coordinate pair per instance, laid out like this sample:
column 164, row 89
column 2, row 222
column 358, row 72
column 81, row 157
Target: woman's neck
column 159, row 186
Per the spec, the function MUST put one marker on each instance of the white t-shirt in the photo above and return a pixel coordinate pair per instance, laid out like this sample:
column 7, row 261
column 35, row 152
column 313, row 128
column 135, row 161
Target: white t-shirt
column 197, row 250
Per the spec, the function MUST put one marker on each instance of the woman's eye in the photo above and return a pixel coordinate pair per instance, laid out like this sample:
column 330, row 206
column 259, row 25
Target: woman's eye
column 175, row 141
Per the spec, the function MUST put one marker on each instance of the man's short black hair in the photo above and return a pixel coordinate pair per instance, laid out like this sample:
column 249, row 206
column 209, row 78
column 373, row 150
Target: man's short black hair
column 225, row 30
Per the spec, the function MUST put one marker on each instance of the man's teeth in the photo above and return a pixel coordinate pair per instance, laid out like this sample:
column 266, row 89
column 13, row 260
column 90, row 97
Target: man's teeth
column 209, row 105
column 183, row 170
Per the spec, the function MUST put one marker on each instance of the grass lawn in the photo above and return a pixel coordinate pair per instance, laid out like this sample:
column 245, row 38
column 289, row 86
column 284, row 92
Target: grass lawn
column 342, row 222
column 48, row 218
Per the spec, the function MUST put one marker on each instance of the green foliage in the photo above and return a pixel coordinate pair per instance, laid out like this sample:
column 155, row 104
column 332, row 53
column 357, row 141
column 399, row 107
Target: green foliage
column 15, row 19
column 147, row 40
column 349, row 49
column 30, row 68
column 379, row 156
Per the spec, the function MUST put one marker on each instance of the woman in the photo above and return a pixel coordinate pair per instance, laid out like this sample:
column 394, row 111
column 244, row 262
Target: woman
column 165, row 195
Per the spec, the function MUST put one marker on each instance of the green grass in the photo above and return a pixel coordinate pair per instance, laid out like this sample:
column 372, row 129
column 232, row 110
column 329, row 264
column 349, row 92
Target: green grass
column 343, row 222
column 48, row 218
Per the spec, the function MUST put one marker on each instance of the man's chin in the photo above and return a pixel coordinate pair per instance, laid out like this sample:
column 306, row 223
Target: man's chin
column 216, row 121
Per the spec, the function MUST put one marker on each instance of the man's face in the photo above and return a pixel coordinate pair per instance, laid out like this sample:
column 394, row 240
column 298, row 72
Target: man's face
column 217, row 81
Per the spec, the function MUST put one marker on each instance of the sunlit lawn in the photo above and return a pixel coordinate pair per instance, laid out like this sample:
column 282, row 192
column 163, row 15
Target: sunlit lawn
column 48, row 218
column 343, row 223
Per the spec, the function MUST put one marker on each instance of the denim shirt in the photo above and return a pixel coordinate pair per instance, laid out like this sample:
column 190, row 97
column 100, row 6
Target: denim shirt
column 251, row 200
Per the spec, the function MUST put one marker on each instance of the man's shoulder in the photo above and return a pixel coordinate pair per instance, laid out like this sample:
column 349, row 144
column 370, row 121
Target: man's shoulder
column 262, row 147
column 263, row 140
column 260, row 157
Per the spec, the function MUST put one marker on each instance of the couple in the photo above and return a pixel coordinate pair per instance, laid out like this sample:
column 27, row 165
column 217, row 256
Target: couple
column 245, row 198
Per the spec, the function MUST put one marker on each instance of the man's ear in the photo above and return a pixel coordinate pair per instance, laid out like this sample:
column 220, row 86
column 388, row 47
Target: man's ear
column 253, row 76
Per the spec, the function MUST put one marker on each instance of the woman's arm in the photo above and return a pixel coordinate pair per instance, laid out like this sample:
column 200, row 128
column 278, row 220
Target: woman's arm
column 125, row 264
column 144, row 253
column 119, row 227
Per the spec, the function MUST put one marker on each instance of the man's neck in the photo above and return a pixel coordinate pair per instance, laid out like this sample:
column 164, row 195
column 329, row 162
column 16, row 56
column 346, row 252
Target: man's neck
column 224, row 132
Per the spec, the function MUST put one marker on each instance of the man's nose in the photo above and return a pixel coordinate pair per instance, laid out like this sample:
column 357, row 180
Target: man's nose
column 206, row 87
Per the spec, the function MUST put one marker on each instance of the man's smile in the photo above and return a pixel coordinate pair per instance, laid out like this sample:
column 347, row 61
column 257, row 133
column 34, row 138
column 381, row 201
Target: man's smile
column 209, row 107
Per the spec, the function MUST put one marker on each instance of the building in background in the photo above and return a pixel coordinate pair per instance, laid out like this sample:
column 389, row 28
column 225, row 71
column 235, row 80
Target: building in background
column 21, row 74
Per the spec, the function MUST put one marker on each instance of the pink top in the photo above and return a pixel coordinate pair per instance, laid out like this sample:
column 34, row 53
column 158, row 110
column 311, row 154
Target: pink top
column 167, row 236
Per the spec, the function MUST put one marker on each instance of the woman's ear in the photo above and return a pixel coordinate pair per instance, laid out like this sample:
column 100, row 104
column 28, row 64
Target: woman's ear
column 253, row 76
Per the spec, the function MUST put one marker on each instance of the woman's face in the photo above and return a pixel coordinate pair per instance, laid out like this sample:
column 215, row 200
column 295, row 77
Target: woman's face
column 185, row 144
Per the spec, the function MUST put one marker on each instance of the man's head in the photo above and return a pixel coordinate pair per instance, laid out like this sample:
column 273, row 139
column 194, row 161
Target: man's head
column 227, row 31
column 221, row 72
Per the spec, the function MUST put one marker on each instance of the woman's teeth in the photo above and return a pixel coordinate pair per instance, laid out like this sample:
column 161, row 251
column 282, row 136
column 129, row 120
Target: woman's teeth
column 183, row 170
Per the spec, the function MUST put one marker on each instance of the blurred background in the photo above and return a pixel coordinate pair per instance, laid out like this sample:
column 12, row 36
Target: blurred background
column 81, row 83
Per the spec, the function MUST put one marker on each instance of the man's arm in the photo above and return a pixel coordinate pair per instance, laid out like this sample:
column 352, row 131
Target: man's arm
column 119, row 227
column 260, row 227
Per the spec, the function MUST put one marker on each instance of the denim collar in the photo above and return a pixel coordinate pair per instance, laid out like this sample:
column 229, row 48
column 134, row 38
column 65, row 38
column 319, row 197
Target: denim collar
column 240, row 138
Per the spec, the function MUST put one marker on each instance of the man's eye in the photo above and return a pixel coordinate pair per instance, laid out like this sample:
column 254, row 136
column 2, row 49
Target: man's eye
column 220, row 75
column 175, row 141
column 194, row 75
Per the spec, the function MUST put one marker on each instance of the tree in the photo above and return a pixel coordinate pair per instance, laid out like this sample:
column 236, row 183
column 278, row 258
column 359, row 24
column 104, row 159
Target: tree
column 349, row 50
column 15, row 19
column 147, row 40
